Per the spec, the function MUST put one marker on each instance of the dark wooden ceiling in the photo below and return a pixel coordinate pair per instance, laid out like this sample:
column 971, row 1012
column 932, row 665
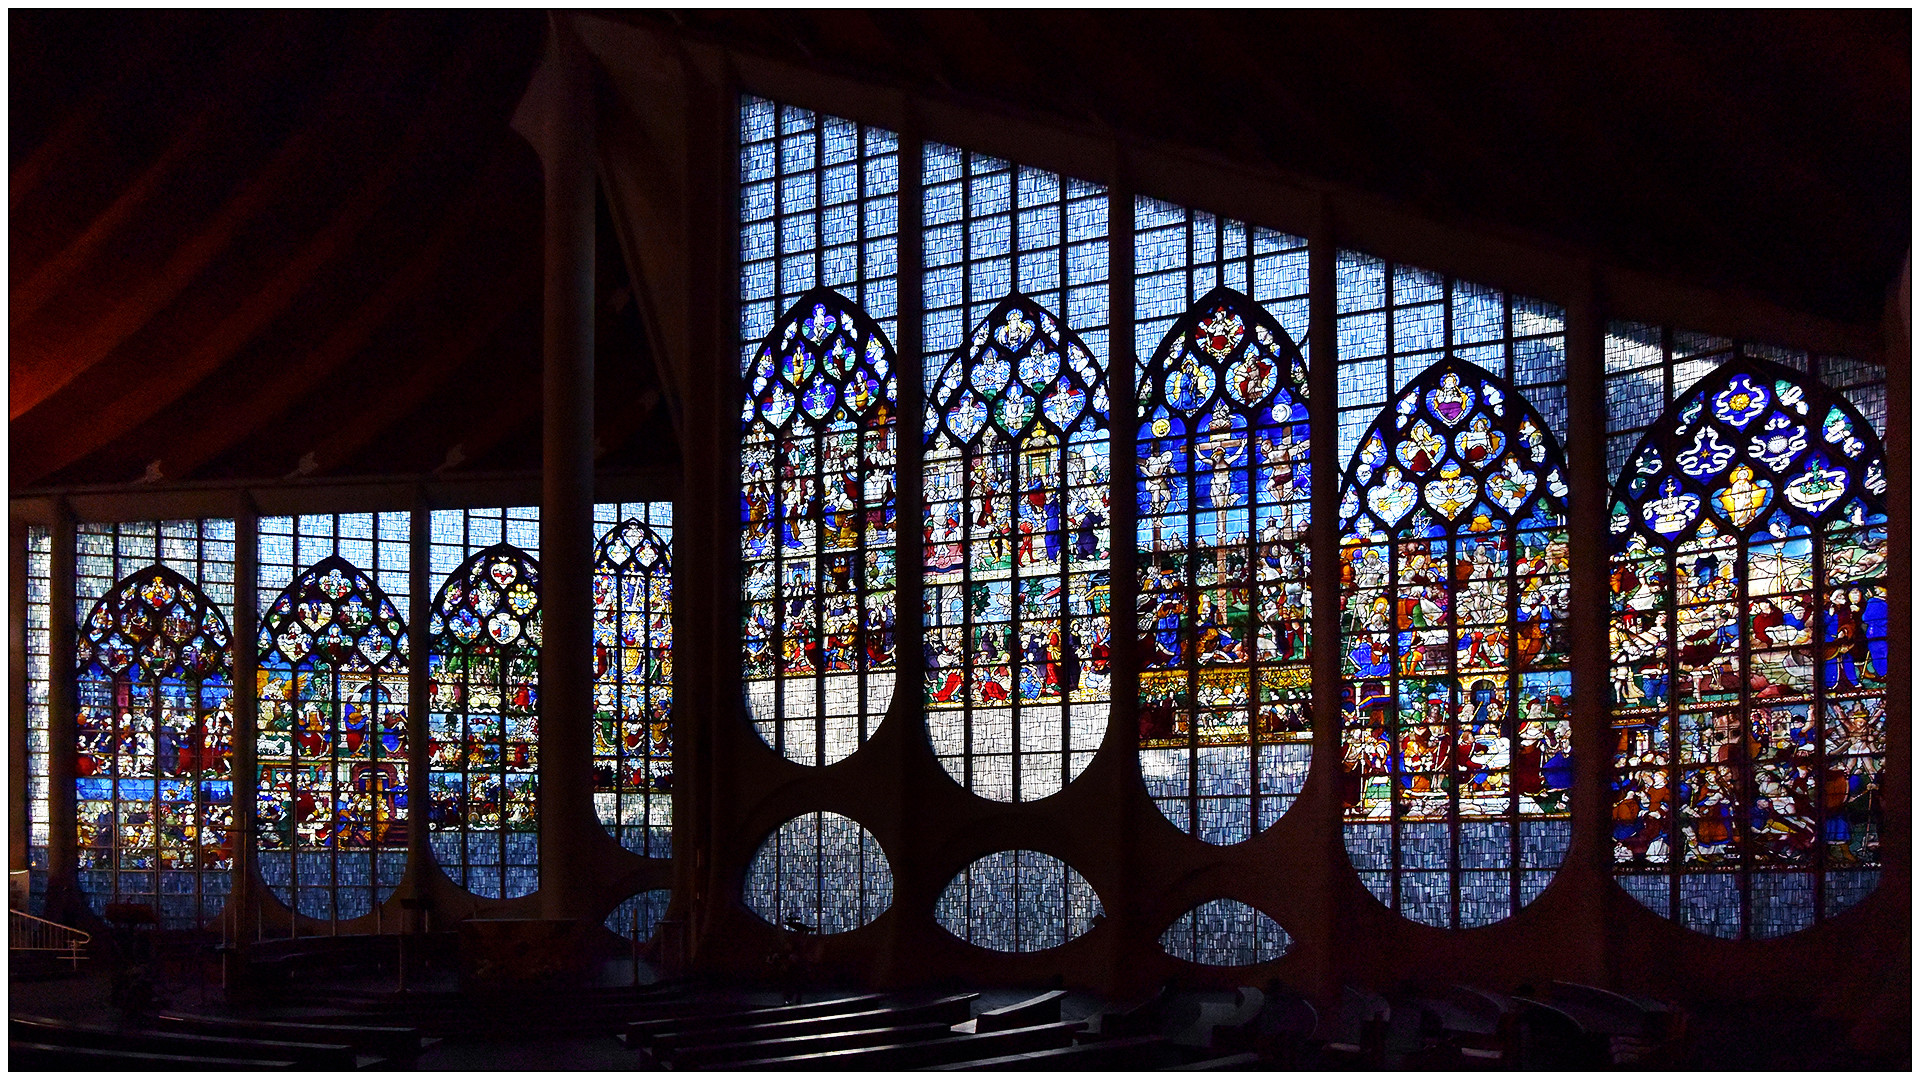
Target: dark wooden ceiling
column 253, row 246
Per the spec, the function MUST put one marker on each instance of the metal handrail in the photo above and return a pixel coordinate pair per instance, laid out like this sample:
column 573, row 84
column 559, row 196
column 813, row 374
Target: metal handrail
column 31, row 933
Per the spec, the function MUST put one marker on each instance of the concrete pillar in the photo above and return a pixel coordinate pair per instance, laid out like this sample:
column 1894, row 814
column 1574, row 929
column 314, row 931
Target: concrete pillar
column 1322, row 792
column 1590, row 856
column 17, row 813
column 247, row 891
column 62, row 703
column 557, row 117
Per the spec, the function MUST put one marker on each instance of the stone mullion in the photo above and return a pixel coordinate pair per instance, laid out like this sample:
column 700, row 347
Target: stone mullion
column 244, row 839
column 1324, row 575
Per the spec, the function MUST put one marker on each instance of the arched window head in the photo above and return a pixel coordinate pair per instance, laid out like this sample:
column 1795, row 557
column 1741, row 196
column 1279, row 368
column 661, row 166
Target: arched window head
column 1456, row 746
column 633, row 688
column 1017, row 556
column 1226, row 729
column 1750, row 655
column 155, row 625
column 484, row 724
column 817, row 512
column 153, row 788
column 332, row 745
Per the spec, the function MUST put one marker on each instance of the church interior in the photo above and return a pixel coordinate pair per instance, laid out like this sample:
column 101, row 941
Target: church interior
column 605, row 540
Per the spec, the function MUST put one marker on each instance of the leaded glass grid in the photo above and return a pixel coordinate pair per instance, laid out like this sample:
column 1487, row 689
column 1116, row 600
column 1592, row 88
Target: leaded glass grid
column 1225, row 933
column 1018, row 901
column 637, row 918
column 1456, row 744
column 331, row 748
column 39, row 627
column 819, row 873
column 1395, row 321
column 1749, row 642
column 483, row 720
column 1015, row 473
column 819, row 205
column 1226, row 719
column 153, row 783
column 818, row 517
column 1649, row 367
column 633, row 675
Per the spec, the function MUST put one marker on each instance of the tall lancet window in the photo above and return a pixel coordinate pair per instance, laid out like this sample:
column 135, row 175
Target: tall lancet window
column 1455, row 736
column 332, row 745
column 483, row 722
column 1225, row 720
column 817, row 462
column 154, row 786
column 633, row 676
column 1750, row 655
column 1017, row 555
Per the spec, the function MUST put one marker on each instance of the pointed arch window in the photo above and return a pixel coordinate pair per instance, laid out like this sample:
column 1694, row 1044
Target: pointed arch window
column 1017, row 556
column 817, row 530
column 633, row 681
column 1455, row 735
column 1750, row 655
column 154, row 791
column 484, row 723
column 332, row 744
column 1226, row 723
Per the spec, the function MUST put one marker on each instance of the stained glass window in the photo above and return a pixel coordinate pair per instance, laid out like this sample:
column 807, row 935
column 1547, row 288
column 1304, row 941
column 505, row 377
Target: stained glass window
column 1016, row 474
column 332, row 743
column 819, row 873
column 1225, row 933
column 818, row 513
column 153, row 783
column 819, row 241
column 483, row 723
column 633, row 675
column 1749, row 644
column 638, row 916
column 1455, row 738
column 39, row 615
column 1018, row 901
column 1226, row 721
column 1396, row 321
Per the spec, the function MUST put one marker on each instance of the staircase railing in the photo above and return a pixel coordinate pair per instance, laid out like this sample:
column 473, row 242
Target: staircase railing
column 31, row 933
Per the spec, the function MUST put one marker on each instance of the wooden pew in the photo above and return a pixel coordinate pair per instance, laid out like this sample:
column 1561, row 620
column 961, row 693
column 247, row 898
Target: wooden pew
column 928, row 1053
column 1133, row 1052
column 1141, row 1019
column 1550, row 1037
column 1280, row 1033
column 42, row 1057
column 640, row 1033
column 401, row 1044
column 1638, row 1030
column 1355, row 1035
column 1227, row 1063
column 715, row 1055
column 305, row 1055
column 947, row 1011
column 1444, row 1026
column 1044, row 1009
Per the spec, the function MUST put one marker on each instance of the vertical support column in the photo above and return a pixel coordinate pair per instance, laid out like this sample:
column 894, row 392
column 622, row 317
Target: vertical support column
column 62, row 704
column 419, row 703
column 909, row 694
column 245, row 896
column 706, row 587
column 1897, row 845
column 1123, row 581
column 17, row 813
column 1322, row 792
column 557, row 117
column 1588, row 866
